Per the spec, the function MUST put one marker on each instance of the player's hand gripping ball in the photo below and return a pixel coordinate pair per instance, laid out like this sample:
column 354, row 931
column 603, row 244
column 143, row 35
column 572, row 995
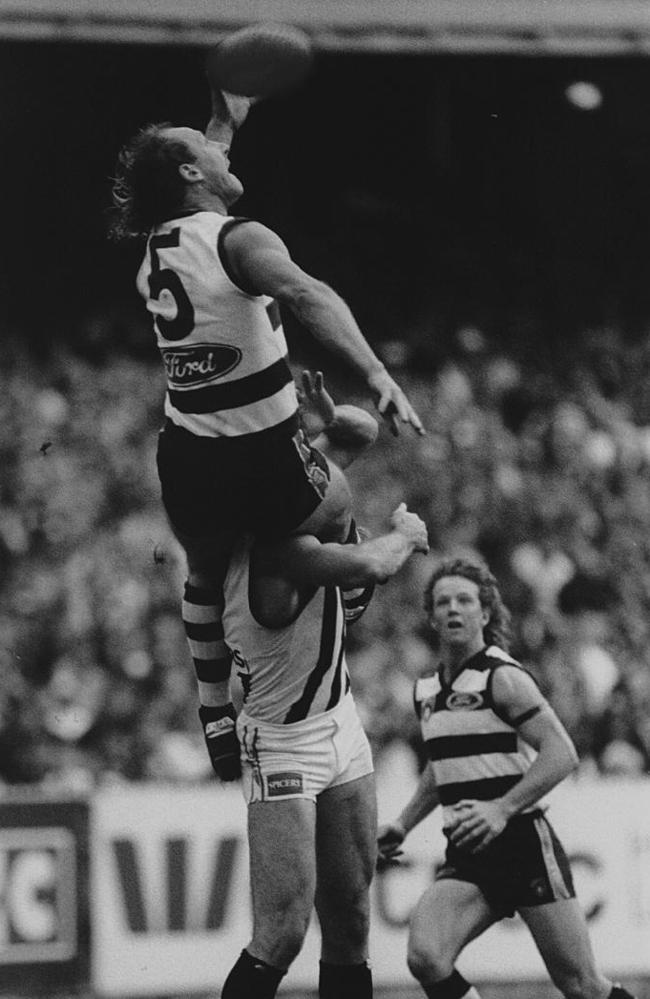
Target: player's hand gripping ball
column 260, row 61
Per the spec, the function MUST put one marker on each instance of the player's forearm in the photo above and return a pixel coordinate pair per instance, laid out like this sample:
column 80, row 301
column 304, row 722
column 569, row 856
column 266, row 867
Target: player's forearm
column 422, row 803
column 221, row 126
column 349, row 566
column 555, row 761
column 329, row 320
column 229, row 113
column 220, row 129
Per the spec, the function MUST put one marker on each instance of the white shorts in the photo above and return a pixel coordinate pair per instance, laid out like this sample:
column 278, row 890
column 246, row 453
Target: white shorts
column 302, row 759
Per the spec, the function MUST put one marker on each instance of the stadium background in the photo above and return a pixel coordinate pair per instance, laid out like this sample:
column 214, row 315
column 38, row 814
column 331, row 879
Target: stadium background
column 486, row 220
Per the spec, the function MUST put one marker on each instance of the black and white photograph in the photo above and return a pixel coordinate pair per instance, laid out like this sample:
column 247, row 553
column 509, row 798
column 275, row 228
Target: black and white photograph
column 325, row 499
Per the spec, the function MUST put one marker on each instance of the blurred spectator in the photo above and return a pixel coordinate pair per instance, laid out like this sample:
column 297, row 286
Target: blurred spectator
column 617, row 745
column 585, row 603
column 543, row 467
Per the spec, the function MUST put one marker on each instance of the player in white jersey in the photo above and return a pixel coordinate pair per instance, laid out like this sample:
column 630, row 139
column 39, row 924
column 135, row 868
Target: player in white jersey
column 307, row 767
column 232, row 456
column 495, row 749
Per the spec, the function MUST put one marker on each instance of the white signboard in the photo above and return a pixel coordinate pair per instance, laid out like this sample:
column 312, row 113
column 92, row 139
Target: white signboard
column 169, row 888
column 170, row 894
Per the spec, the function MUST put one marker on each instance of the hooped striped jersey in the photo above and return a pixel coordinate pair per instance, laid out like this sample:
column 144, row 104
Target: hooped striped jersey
column 224, row 350
column 290, row 673
column 475, row 752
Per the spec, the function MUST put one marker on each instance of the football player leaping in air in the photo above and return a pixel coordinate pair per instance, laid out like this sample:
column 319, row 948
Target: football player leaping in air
column 232, row 456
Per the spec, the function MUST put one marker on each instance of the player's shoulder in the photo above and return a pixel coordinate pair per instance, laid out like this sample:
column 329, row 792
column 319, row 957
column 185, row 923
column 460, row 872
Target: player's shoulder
column 494, row 656
column 508, row 676
column 426, row 687
column 243, row 233
column 428, row 681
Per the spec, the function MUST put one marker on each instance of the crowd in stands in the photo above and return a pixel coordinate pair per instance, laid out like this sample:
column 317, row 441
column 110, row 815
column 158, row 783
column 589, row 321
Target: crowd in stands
column 541, row 466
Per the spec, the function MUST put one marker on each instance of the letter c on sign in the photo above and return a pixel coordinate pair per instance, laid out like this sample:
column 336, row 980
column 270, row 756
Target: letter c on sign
column 32, row 895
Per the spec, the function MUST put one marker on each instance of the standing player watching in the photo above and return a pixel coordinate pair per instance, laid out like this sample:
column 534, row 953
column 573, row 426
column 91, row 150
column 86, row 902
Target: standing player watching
column 495, row 748
column 307, row 768
column 231, row 456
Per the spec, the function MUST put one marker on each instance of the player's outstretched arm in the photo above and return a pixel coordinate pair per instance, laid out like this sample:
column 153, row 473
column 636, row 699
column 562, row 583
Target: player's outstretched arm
column 306, row 562
column 261, row 263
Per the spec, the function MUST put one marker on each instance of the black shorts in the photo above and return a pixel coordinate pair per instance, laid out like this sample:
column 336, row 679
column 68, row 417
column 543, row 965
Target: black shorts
column 265, row 483
column 525, row 866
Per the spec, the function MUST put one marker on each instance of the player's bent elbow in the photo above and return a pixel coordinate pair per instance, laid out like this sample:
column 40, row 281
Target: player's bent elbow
column 306, row 294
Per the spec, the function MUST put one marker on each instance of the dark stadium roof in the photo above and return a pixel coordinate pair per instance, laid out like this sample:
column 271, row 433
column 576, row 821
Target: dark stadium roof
column 524, row 27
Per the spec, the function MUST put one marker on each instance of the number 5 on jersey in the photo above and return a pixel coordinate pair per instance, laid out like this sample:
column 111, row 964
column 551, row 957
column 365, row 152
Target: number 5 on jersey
column 164, row 279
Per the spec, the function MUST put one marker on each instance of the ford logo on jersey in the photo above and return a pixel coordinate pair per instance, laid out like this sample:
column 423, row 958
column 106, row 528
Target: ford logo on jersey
column 459, row 701
column 199, row 363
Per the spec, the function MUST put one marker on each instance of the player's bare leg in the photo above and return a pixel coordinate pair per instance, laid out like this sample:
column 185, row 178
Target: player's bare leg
column 283, row 882
column 448, row 916
column 346, row 830
column 562, row 938
column 283, row 877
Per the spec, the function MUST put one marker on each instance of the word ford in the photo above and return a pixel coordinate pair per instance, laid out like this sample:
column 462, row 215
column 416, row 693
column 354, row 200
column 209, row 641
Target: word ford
column 199, row 363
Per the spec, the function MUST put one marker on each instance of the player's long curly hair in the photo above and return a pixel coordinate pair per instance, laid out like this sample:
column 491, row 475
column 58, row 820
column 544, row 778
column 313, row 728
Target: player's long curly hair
column 498, row 630
column 147, row 187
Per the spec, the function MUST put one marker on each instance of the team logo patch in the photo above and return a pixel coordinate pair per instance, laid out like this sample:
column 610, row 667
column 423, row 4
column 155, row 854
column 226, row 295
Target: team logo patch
column 461, row 701
column 315, row 463
column 285, row 783
column 199, row 364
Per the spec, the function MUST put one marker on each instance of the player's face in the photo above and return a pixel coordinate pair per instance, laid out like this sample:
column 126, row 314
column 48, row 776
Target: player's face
column 457, row 615
column 213, row 162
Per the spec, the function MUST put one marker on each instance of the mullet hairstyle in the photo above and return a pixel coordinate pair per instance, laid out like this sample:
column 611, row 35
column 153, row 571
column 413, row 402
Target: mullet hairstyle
column 147, row 187
column 498, row 630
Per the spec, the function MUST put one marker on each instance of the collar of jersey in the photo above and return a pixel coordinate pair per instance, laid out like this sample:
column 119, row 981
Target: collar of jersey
column 466, row 665
column 184, row 215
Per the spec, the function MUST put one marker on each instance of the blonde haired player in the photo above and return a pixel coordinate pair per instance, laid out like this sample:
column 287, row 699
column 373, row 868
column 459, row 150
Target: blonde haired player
column 495, row 748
